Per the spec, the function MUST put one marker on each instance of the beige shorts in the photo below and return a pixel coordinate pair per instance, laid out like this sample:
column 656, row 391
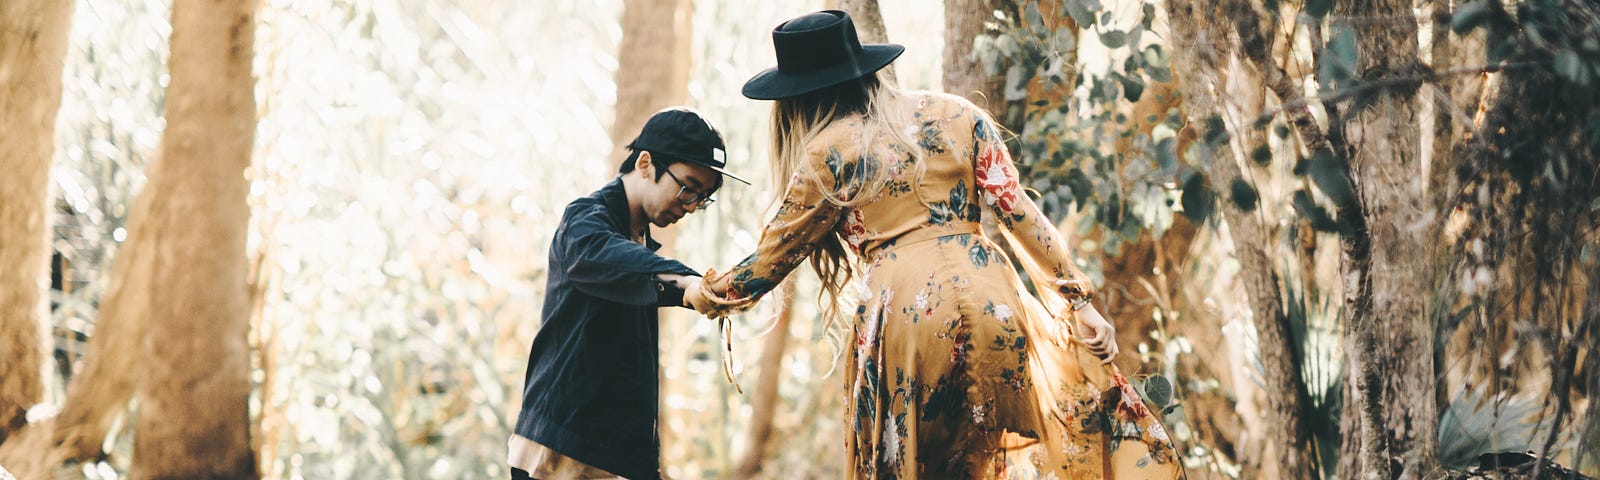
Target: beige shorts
column 545, row 464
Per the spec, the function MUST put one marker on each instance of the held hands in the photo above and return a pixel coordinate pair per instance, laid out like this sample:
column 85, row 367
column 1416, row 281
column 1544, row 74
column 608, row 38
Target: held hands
column 702, row 299
column 1099, row 335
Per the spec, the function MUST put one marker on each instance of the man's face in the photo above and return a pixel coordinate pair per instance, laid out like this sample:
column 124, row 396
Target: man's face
column 678, row 192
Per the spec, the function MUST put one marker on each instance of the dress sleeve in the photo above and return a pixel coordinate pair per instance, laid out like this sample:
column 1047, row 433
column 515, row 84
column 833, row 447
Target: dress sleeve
column 803, row 218
column 1027, row 225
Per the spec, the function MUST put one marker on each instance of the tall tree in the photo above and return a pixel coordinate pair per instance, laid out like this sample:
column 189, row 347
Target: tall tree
column 652, row 64
column 194, row 415
column 868, row 18
column 964, row 73
column 764, row 400
column 33, row 46
column 1386, row 255
column 652, row 73
column 1221, row 36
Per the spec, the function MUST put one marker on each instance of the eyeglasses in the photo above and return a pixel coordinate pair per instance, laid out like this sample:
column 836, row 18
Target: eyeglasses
column 689, row 196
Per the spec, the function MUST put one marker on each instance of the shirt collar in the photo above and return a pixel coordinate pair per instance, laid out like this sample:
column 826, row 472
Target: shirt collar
column 615, row 197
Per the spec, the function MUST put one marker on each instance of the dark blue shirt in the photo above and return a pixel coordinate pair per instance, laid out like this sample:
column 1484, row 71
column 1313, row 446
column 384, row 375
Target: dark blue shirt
column 590, row 391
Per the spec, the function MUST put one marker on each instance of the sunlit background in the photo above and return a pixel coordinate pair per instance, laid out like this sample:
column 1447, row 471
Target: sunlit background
column 413, row 157
column 412, row 160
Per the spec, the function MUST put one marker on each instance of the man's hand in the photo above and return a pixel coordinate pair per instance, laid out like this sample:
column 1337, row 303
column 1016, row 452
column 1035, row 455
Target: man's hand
column 683, row 282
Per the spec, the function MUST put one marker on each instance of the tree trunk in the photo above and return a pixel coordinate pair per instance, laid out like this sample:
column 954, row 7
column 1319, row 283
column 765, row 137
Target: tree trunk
column 965, row 21
column 1389, row 334
column 652, row 65
column 1200, row 70
column 653, row 73
column 764, row 401
column 1281, row 357
column 194, row 415
column 33, row 47
column 868, row 19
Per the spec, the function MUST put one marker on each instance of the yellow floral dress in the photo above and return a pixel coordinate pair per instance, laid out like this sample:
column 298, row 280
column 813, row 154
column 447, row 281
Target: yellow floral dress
column 955, row 370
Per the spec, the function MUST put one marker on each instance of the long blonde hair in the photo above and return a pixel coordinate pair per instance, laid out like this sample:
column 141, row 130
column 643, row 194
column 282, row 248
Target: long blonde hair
column 797, row 121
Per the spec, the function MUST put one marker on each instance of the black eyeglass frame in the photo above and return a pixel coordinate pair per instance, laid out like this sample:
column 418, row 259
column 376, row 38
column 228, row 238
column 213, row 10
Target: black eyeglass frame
column 704, row 199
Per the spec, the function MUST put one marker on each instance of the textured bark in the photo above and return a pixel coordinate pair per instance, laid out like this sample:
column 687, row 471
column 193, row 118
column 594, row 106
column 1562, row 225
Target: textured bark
column 1389, row 337
column 33, row 46
column 868, row 19
column 1281, row 357
column 964, row 21
column 1205, row 68
column 652, row 65
column 764, row 401
column 194, row 418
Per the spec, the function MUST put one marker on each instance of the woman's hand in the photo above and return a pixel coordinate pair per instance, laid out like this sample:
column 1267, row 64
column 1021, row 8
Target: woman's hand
column 1098, row 334
column 695, row 297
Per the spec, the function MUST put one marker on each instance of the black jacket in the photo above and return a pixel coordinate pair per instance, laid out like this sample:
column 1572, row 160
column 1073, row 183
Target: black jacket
column 590, row 390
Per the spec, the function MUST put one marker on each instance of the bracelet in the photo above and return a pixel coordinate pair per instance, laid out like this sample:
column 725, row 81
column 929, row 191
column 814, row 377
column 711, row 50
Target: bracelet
column 1080, row 302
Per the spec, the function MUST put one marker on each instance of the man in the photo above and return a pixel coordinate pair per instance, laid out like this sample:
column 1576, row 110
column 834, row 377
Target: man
column 590, row 396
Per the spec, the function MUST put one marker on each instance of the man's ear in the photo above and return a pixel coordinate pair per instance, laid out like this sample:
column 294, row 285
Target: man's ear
column 643, row 162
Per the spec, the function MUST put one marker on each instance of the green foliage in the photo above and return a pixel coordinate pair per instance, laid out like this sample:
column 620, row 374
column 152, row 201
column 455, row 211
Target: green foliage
column 1197, row 199
column 1243, row 195
column 1475, row 424
column 1066, row 146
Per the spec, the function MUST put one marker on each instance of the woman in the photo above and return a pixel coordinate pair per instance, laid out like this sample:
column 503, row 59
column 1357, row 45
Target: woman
column 954, row 371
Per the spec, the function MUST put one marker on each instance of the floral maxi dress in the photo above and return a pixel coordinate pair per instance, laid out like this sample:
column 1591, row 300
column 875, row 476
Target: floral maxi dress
column 955, row 370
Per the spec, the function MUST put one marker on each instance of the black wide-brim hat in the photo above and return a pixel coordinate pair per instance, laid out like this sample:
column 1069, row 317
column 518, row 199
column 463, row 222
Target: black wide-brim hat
column 816, row 51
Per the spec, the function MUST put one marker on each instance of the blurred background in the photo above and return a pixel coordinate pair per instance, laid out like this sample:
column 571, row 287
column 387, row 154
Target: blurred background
column 1240, row 177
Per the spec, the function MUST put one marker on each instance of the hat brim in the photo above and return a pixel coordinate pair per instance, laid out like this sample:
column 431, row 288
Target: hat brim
column 717, row 169
column 773, row 84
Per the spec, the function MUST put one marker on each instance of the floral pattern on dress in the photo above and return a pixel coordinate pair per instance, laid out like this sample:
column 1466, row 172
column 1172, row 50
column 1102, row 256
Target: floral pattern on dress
column 947, row 355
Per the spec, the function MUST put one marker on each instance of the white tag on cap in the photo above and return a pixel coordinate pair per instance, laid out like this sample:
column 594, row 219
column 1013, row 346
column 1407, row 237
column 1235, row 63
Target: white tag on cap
column 716, row 154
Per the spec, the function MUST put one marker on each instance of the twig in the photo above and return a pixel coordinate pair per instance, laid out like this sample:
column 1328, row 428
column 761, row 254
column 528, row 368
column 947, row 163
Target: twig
column 1368, row 87
column 1254, row 45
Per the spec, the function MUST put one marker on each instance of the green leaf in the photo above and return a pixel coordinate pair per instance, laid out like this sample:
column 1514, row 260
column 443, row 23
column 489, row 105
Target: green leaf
column 1308, row 208
column 1158, row 390
column 1166, row 153
column 1148, row 15
column 1261, row 155
column 1570, row 66
column 1339, row 67
column 1244, row 196
column 1131, row 88
column 1081, row 11
column 1035, row 19
column 1329, row 174
column 1197, row 197
column 1169, row 409
column 1470, row 16
column 1282, row 131
column 1114, row 38
column 1216, row 131
column 1318, row 8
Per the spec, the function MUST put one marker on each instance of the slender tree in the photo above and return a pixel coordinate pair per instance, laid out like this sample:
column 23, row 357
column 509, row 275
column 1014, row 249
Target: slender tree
column 652, row 73
column 652, row 64
column 764, row 399
column 33, row 46
column 964, row 74
column 194, row 419
column 1387, row 254
column 1220, row 37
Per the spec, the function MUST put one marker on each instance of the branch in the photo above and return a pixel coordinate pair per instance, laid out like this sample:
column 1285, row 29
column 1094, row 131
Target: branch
column 1373, row 86
column 1254, row 46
